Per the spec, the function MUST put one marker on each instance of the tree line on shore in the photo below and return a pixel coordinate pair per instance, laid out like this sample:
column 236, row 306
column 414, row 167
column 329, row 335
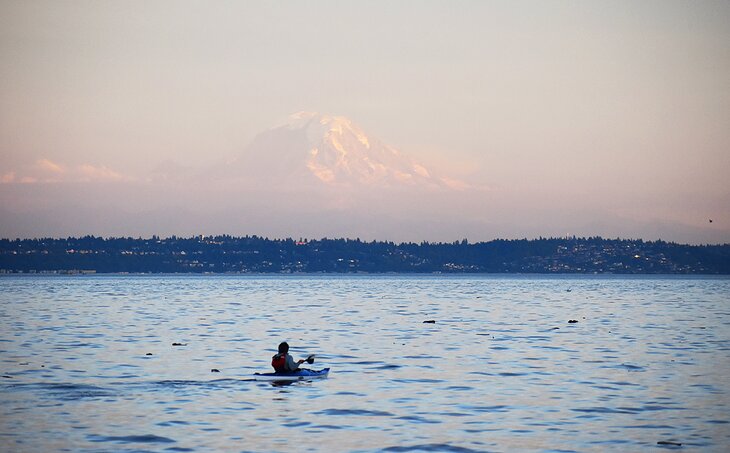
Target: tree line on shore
column 255, row 254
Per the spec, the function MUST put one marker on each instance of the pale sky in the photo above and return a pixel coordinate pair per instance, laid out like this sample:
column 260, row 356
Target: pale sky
column 580, row 117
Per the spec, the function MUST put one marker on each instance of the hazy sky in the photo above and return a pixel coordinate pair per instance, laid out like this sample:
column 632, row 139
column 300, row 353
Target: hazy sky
column 614, row 115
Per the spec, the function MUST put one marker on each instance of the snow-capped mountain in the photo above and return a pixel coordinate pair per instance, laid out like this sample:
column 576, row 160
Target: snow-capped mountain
column 315, row 149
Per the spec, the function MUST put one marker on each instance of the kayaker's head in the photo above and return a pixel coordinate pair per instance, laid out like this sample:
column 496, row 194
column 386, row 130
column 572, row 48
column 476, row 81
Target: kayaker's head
column 283, row 347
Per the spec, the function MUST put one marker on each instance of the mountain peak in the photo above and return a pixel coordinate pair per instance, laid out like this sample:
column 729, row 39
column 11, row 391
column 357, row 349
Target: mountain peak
column 319, row 126
column 333, row 150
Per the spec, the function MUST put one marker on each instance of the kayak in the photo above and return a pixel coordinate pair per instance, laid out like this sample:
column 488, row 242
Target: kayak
column 302, row 374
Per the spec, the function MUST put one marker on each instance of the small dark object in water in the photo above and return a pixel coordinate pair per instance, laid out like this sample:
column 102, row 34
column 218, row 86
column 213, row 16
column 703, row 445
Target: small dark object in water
column 555, row 328
column 568, row 290
column 179, row 344
column 215, row 370
column 149, row 353
column 429, row 321
column 7, row 377
column 669, row 442
column 572, row 321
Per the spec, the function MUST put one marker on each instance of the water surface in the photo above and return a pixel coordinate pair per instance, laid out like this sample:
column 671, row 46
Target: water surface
column 87, row 363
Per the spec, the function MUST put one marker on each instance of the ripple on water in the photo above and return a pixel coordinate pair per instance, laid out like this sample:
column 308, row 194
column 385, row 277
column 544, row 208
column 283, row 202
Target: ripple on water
column 173, row 423
column 459, row 388
column 355, row 412
column 66, row 391
column 418, row 381
column 605, row 410
column 418, row 419
column 431, row 447
column 387, row 367
column 488, row 408
column 134, row 439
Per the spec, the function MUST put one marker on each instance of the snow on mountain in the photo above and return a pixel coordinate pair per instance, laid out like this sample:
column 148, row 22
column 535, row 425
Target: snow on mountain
column 311, row 148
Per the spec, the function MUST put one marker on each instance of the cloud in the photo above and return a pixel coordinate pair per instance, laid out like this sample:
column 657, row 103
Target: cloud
column 45, row 171
column 91, row 173
column 455, row 184
column 47, row 166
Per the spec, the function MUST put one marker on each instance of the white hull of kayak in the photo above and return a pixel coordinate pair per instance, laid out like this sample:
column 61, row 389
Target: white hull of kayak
column 292, row 377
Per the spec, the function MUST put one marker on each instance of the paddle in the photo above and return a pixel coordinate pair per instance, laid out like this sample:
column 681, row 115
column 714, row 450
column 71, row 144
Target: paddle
column 310, row 359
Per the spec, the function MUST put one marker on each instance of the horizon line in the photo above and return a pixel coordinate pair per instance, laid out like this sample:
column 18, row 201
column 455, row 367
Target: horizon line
column 302, row 240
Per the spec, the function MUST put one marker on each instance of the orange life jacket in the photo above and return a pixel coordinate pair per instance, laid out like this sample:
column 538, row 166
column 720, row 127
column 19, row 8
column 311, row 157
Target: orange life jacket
column 279, row 362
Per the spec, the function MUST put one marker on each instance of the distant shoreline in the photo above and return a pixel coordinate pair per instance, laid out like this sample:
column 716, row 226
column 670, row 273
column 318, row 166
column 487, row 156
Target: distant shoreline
column 253, row 255
column 566, row 276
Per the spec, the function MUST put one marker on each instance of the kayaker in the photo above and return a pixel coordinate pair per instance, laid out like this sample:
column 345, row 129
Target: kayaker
column 283, row 362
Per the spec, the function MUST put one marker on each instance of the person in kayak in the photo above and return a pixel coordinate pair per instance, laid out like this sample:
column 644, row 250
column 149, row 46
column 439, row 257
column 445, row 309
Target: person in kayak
column 283, row 362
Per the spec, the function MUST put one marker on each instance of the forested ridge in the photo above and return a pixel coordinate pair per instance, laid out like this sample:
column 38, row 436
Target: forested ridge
column 254, row 254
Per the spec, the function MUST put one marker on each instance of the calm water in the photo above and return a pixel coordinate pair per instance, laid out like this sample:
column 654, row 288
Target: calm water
column 87, row 363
